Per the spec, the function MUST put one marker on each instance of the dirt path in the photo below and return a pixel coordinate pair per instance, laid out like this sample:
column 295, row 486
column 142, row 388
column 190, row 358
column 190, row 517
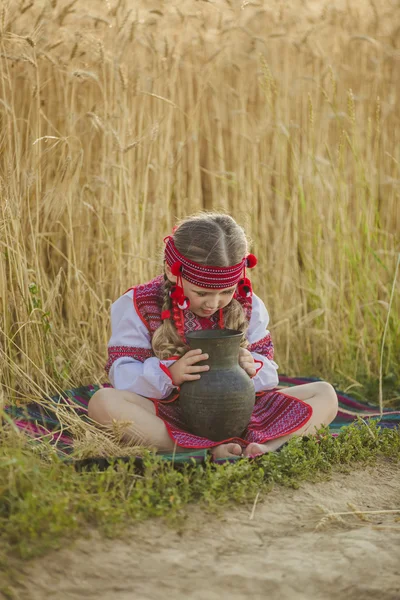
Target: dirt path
column 279, row 554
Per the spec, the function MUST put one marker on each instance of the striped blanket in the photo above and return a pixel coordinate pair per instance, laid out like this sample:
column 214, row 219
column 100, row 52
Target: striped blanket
column 38, row 422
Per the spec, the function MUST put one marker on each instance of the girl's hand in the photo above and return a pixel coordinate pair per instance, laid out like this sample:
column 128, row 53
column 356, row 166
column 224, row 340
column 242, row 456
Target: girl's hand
column 184, row 369
column 246, row 361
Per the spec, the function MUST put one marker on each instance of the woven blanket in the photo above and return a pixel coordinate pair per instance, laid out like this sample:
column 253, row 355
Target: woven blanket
column 38, row 422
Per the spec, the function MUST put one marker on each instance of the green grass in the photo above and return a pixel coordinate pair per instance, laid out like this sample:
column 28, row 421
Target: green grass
column 45, row 503
column 366, row 389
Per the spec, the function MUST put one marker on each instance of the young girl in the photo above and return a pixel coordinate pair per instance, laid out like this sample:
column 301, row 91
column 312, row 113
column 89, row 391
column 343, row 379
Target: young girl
column 204, row 286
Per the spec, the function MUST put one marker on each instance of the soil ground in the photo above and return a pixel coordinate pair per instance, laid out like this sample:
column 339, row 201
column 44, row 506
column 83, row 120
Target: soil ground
column 281, row 547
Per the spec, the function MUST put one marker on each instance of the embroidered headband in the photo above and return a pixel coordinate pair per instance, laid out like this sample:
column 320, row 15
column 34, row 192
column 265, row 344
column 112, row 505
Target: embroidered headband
column 206, row 276
column 202, row 275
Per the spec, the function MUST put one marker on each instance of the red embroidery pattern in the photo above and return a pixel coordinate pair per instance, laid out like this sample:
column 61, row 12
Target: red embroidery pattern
column 115, row 352
column 275, row 414
column 203, row 275
column 246, row 305
column 263, row 346
column 195, row 323
column 148, row 299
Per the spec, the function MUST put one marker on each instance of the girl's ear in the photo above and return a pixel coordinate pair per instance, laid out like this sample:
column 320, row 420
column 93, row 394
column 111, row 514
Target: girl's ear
column 168, row 272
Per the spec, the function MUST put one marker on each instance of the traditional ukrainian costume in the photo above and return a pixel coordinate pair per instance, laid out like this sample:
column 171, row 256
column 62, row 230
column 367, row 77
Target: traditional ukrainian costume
column 132, row 366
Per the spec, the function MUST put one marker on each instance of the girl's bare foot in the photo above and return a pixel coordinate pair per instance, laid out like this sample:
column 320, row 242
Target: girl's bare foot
column 254, row 449
column 226, row 451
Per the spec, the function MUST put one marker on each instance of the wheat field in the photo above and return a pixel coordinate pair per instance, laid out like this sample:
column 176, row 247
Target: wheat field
column 117, row 117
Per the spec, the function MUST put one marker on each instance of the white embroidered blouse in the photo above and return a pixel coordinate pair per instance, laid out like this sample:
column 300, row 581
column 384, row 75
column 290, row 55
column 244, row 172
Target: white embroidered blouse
column 151, row 378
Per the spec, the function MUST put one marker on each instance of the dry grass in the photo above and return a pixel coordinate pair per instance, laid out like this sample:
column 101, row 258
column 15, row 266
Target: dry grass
column 116, row 117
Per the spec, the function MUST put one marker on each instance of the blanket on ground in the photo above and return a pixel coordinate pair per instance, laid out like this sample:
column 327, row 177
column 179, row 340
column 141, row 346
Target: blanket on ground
column 43, row 423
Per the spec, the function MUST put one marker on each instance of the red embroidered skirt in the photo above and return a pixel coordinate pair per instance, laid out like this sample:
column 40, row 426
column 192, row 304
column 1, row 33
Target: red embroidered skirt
column 274, row 415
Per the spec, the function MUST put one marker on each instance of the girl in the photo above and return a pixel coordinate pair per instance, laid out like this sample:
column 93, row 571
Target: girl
column 204, row 286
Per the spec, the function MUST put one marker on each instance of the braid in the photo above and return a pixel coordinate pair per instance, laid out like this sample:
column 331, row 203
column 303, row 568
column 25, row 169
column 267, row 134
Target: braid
column 234, row 318
column 166, row 342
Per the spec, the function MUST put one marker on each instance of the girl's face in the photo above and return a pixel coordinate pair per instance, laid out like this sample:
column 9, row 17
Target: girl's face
column 204, row 302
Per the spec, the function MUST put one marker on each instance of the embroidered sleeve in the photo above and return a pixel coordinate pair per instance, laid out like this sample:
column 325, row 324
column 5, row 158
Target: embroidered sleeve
column 116, row 352
column 131, row 363
column 263, row 346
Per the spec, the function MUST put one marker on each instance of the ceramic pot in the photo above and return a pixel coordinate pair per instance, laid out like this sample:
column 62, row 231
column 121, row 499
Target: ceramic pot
column 218, row 406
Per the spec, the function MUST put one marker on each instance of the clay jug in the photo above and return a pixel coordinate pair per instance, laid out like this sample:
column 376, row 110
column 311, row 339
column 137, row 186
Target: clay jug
column 218, row 406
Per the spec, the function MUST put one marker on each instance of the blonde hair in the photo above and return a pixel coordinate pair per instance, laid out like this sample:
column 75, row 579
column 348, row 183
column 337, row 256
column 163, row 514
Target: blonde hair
column 208, row 239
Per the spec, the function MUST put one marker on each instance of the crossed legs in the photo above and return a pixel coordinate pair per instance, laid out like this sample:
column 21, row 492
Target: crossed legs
column 322, row 398
column 145, row 428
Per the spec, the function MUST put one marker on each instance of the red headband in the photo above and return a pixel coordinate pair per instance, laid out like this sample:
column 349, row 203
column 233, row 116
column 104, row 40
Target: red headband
column 203, row 275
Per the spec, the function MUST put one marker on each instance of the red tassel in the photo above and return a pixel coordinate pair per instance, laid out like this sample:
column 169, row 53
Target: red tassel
column 176, row 292
column 166, row 314
column 176, row 268
column 251, row 261
column 178, row 320
column 244, row 288
column 184, row 303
